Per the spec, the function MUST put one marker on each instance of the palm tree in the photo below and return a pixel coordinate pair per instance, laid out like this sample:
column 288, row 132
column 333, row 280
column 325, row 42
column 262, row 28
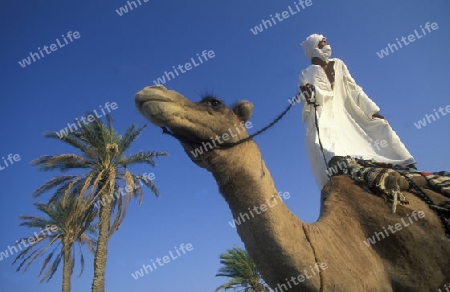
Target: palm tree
column 105, row 164
column 67, row 224
column 238, row 265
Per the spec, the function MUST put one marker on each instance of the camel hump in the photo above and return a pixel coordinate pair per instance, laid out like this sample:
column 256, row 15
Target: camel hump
column 388, row 181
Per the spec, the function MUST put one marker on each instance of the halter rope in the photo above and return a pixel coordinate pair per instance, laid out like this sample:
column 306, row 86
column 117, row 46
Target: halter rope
column 231, row 144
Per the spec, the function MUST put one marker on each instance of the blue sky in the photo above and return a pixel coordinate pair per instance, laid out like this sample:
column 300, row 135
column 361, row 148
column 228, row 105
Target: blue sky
column 116, row 56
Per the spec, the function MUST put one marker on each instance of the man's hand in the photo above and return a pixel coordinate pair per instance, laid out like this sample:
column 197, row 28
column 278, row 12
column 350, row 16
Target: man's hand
column 307, row 90
column 377, row 115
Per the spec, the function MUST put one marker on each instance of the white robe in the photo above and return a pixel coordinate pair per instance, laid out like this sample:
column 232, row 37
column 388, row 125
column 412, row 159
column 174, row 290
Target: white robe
column 345, row 123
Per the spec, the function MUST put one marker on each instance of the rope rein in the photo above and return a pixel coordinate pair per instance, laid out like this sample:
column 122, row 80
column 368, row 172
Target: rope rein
column 320, row 141
column 312, row 101
column 250, row 137
column 232, row 144
column 424, row 197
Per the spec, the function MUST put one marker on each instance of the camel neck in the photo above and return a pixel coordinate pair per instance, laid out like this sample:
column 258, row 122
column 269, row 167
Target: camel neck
column 260, row 216
column 242, row 169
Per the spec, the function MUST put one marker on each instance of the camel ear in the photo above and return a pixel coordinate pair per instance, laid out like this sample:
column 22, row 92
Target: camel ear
column 243, row 110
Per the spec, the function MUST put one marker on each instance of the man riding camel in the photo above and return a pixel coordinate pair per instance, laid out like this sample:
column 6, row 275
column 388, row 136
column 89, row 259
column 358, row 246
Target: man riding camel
column 349, row 121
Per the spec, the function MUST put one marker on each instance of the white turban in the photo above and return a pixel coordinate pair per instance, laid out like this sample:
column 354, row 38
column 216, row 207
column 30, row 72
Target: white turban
column 311, row 49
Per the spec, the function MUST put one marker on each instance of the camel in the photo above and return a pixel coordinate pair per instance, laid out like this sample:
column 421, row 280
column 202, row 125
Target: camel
column 330, row 254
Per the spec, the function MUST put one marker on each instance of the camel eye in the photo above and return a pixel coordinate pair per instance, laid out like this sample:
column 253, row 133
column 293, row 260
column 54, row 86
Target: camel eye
column 215, row 103
column 212, row 102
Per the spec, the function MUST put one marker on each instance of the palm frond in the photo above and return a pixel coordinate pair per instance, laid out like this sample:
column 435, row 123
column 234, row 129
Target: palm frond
column 130, row 135
column 148, row 183
column 52, row 183
column 62, row 162
column 141, row 157
column 238, row 265
column 46, row 261
column 70, row 139
column 232, row 284
column 81, row 263
column 52, row 269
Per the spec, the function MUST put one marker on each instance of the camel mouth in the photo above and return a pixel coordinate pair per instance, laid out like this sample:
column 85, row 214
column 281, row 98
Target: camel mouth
column 148, row 101
column 159, row 105
column 154, row 93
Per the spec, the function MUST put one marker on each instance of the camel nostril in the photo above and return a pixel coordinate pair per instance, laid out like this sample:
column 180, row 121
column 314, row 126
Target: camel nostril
column 157, row 86
column 139, row 101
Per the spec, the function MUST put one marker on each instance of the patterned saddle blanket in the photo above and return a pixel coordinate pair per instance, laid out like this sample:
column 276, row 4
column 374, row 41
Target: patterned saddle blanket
column 383, row 179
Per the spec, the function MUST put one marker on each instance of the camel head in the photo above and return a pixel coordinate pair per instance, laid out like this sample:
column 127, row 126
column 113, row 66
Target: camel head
column 195, row 122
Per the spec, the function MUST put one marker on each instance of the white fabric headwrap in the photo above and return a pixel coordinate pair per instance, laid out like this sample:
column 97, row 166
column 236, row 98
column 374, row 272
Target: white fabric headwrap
column 311, row 50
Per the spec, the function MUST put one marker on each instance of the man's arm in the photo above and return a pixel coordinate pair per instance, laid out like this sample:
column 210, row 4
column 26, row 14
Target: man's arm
column 377, row 115
column 314, row 75
column 370, row 108
column 307, row 91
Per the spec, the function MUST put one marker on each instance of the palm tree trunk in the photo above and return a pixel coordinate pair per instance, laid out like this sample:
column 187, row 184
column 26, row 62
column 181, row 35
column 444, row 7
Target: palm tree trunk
column 98, row 284
column 67, row 269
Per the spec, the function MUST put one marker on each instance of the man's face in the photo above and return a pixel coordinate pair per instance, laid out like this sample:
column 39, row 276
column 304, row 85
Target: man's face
column 322, row 43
